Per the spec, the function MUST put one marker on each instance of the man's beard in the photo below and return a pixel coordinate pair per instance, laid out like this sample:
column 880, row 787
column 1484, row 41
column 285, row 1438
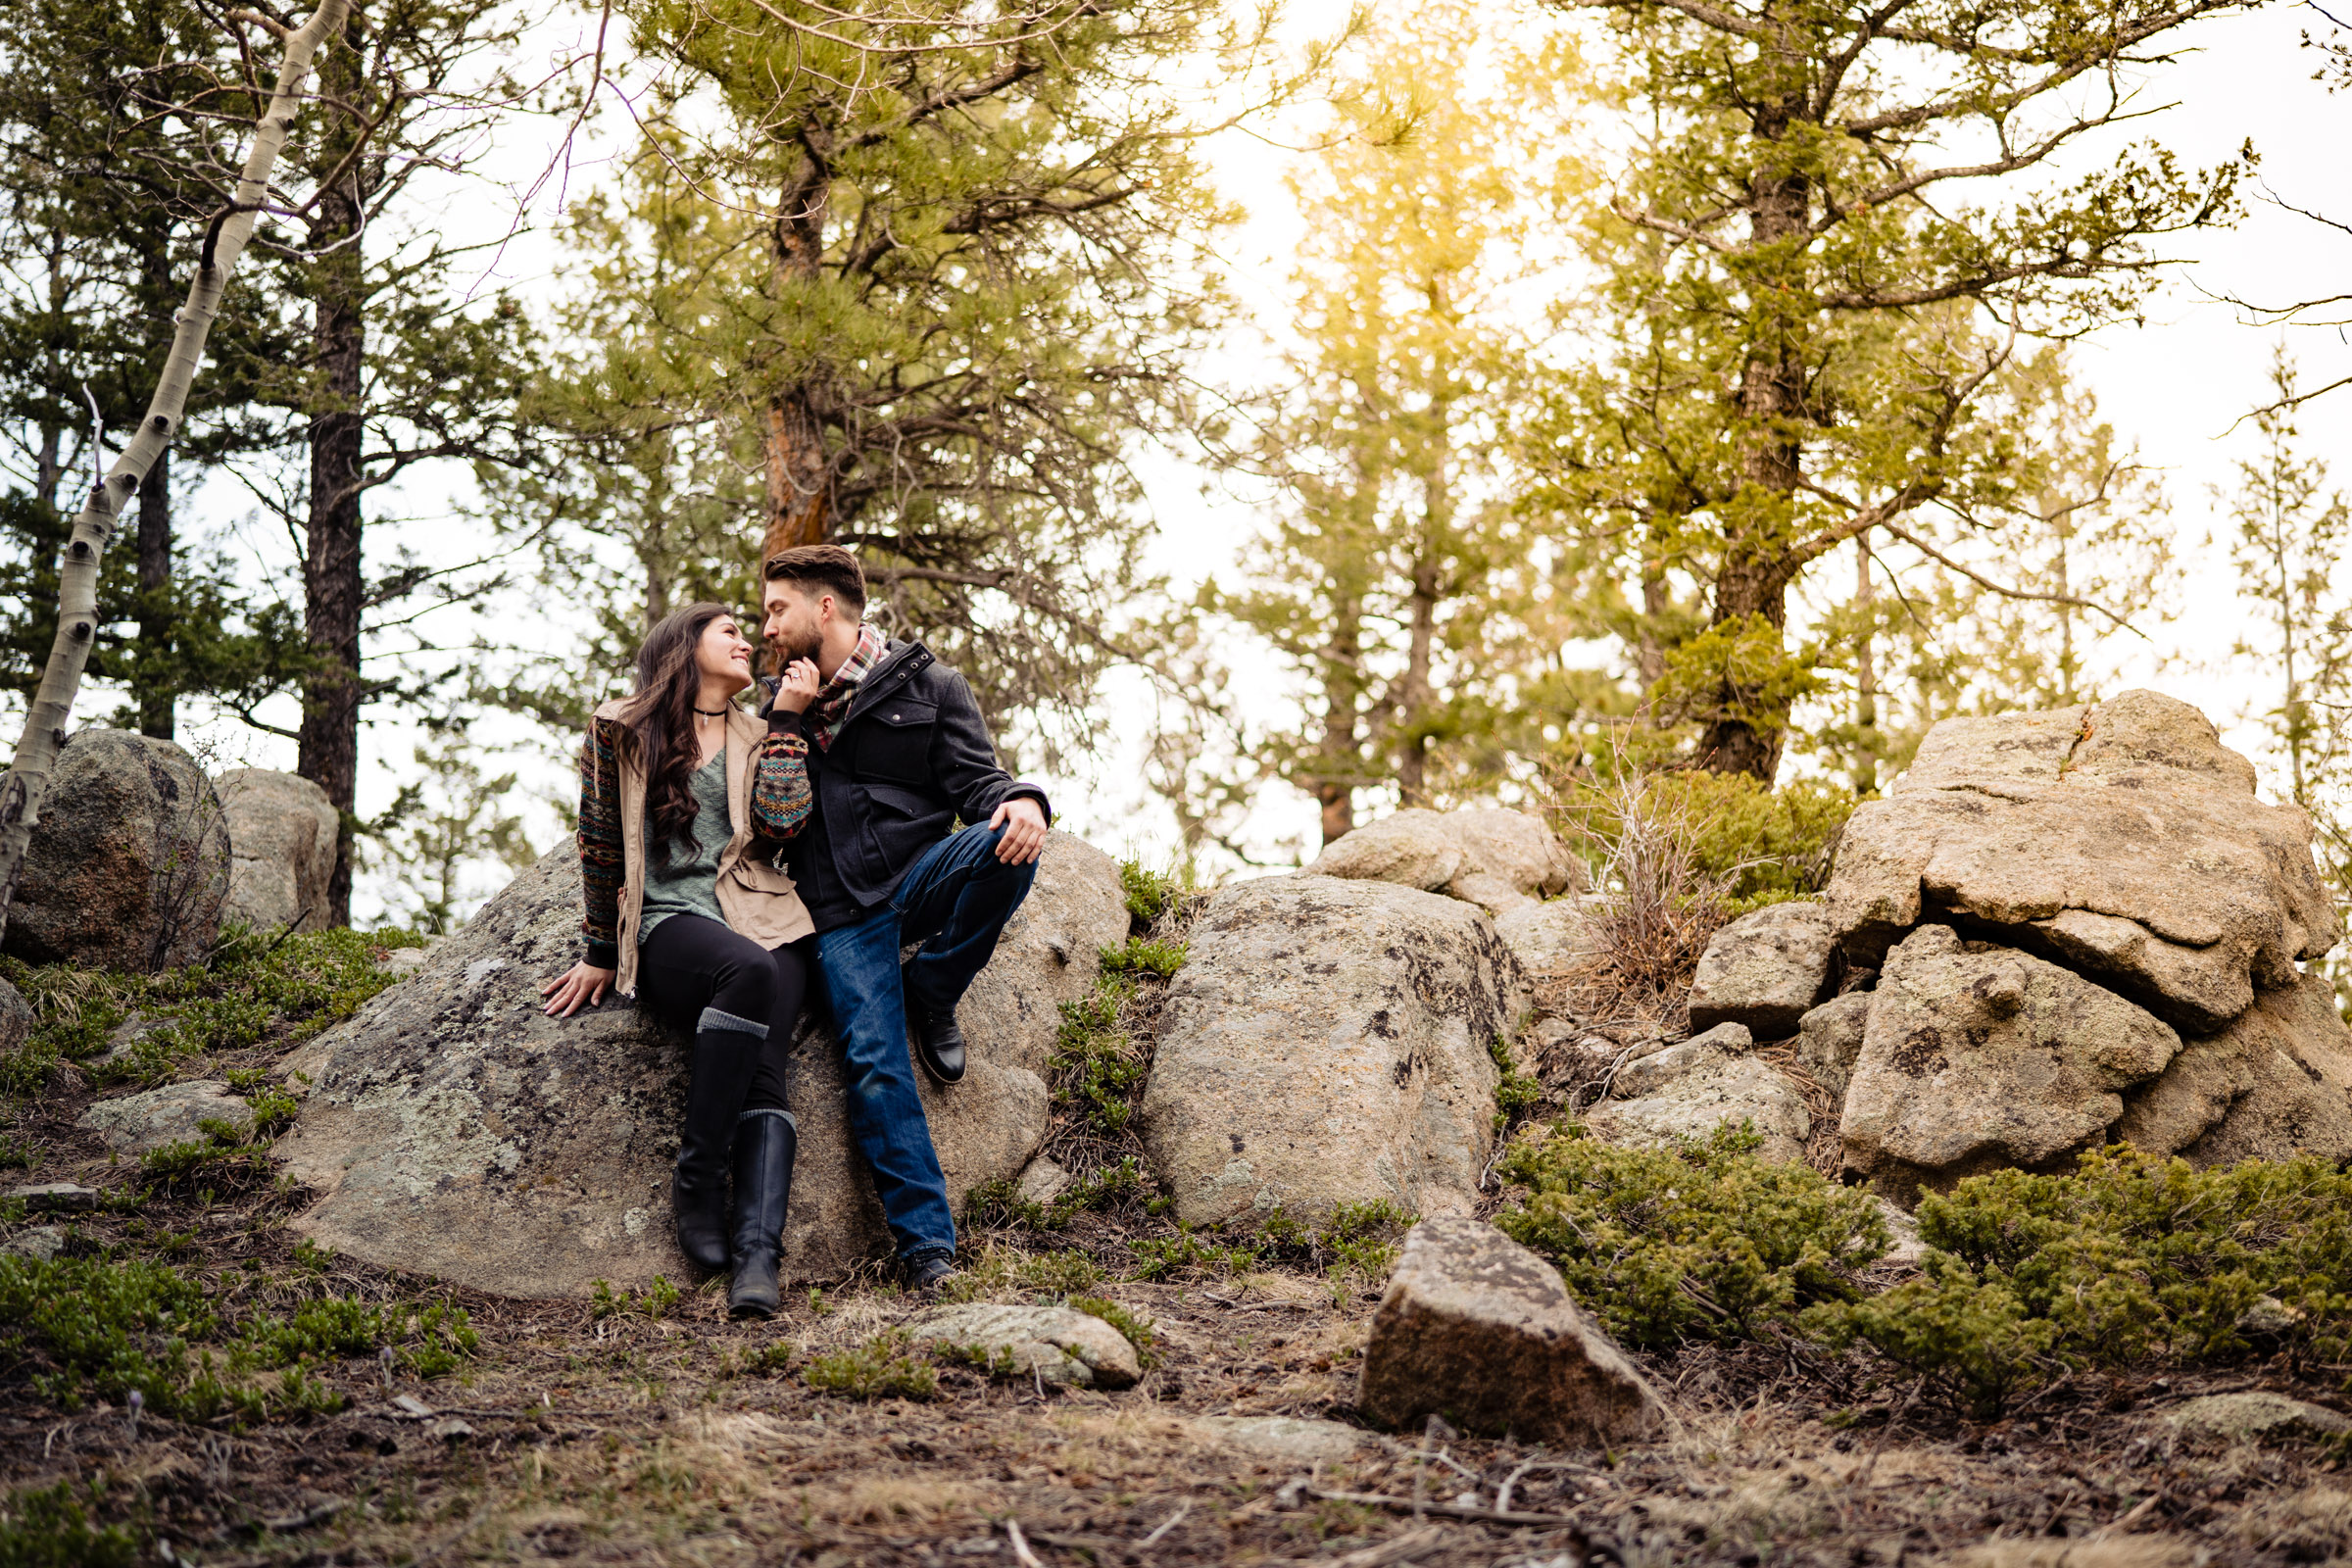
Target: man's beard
column 787, row 649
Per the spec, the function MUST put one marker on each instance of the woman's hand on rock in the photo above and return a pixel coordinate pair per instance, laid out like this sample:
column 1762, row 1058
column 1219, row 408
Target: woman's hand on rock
column 583, row 984
column 795, row 689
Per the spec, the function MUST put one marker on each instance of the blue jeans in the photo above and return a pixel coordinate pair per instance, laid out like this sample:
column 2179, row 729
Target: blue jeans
column 954, row 899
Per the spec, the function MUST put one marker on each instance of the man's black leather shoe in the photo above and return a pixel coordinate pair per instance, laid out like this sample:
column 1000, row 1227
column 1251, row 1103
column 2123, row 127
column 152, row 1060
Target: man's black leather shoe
column 925, row 1275
column 938, row 1043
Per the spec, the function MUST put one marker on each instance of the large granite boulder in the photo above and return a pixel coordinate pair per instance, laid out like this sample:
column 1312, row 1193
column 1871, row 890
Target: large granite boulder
column 281, row 836
column 1499, row 859
column 456, row 1130
column 175, row 1113
column 2274, row 1084
column 128, row 863
column 1766, row 969
column 1328, row 1042
column 1979, row 1058
column 1480, row 1330
column 2120, row 839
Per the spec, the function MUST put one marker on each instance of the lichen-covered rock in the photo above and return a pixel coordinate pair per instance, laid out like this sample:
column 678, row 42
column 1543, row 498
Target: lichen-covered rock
column 133, row 1124
column 1713, row 1094
column 1479, row 1330
column 1766, row 969
column 1829, row 1039
column 281, row 838
column 1294, row 1439
column 2123, row 840
column 1326, row 1042
column 1974, row 1060
column 128, row 864
column 1548, row 938
column 1057, row 1345
column 2256, row 1415
column 1647, row 1075
column 1496, row 858
column 2276, row 1084
column 456, row 1130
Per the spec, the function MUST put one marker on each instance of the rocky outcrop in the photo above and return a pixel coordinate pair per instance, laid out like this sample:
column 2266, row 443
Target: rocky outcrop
column 1480, row 1330
column 1717, row 1091
column 1766, row 969
column 1055, row 1344
column 1495, row 858
column 281, row 837
column 1647, row 1075
column 133, row 1124
column 2122, row 839
column 1547, row 939
column 1979, row 1058
column 128, row 864
column 455, row 1130
column 2274, row 1084
column 1326, row 1042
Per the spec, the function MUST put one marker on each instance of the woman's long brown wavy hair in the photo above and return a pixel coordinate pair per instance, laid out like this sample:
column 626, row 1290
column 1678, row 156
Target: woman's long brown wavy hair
column 661, row 717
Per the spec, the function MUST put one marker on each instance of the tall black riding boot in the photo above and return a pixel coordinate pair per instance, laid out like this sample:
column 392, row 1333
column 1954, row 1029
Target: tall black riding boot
column 727, row 1050
column 766, row 1142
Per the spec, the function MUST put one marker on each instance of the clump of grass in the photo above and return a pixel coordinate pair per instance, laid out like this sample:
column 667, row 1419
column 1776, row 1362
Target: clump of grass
column 227, row 1158
column 773, row 1359
column 1518, row 1093
column 1359, row 1238
column 1142, row 957
column 656, row 1300
column 1662, row 899
column 1699, row 1242
column 1000, row 1203
column 2128, row 1260
column 884, row 1367
column 1151, row 894
column 246, row 992
column 1139, row 1331
column 57, row 1527
column 90, row 1329
column 993, row 1363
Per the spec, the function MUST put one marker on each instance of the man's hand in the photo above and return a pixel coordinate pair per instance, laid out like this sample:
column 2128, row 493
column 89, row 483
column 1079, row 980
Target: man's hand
column 1025, row 839
column 796, row 688
column 583, row 983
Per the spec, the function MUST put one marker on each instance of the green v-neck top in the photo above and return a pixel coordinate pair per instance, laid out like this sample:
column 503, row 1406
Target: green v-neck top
column 688, row 882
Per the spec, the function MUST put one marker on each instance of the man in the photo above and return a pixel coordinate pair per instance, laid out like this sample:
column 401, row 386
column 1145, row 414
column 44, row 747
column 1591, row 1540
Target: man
column 896, row 754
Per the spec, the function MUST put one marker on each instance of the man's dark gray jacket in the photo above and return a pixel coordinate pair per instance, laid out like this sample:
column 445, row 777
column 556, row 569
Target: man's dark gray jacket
column 912, row 757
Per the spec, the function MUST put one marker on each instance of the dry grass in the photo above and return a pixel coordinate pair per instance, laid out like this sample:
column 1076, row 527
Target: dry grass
column 1658, row 911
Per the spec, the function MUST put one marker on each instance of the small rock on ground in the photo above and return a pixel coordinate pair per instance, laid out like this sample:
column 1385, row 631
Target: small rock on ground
column 1766, row 969
column 1043, row 1182
column 1058, row 1344
column 133, row 1124
column 42, row 1242
column 1647, row 1075
column 1480, row 1331
column 2260, row 1416
column 55, row 1197
column 1284, row 1437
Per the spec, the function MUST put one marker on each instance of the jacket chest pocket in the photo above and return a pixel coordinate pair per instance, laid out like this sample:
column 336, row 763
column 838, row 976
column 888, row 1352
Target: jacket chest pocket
column 895, row 741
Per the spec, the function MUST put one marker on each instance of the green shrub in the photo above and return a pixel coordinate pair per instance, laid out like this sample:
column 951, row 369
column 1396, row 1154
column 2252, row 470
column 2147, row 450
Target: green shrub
column 1518, row 1093
column 883, row 1367
column 1761, row 844
column 1358, row 1236
column 1149, row 894
column 1060, row 1273
column 1140, row 1332
column 1187, row 1254
column 2128, row 1260
column 52, row 1527
column 1094, row 1063
column 1700, row 1242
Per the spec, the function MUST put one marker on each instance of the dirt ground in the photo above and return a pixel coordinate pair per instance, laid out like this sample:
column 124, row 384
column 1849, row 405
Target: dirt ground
column 685, row 1439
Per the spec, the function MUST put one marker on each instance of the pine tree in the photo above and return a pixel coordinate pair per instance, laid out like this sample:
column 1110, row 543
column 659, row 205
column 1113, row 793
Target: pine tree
column 1807, row 294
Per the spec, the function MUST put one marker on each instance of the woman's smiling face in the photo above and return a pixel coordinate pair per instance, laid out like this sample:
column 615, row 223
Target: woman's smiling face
column 723, row 655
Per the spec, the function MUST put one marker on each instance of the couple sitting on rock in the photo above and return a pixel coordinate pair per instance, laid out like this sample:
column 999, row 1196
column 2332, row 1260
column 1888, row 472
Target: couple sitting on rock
column 726, row 856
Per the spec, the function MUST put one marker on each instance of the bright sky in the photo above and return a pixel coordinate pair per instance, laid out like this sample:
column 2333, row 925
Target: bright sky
column 2176, row 386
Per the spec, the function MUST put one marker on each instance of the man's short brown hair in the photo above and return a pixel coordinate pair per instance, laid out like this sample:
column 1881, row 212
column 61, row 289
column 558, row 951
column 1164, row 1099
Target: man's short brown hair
column 820, row 568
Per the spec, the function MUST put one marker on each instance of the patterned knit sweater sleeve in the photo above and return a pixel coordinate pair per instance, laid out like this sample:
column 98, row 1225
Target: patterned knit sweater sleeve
column 598, row 838
column 781, row 798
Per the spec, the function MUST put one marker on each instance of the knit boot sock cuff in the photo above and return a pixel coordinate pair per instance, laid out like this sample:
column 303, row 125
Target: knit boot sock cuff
column 790, row 1121
column 713, row 1018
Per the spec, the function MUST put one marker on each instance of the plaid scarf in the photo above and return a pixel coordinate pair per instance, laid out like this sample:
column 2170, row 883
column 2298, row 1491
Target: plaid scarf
column 832, row 703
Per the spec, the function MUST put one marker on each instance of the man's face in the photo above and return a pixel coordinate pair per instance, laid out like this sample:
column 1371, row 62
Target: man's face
column 792, row 628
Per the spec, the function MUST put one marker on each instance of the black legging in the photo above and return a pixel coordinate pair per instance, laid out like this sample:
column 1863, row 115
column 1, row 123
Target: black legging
column 689, row 963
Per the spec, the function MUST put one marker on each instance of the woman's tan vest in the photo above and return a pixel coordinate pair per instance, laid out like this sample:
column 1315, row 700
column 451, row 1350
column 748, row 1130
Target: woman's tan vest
column 755, row 894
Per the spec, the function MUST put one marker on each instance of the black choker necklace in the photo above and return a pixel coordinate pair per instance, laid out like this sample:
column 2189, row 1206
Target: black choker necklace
column 712, row 712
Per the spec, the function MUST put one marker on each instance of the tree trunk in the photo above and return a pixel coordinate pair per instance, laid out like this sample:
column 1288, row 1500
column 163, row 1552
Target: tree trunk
column 155, row 696
column 333, row 589
column 1866, row 673
column 1754, row 576
column 799, row 509
column 1413, row 695
column 1342, row 746
column 85, row 552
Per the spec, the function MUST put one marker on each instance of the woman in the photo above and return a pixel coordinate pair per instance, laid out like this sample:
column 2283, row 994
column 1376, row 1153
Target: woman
column 684, row 800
